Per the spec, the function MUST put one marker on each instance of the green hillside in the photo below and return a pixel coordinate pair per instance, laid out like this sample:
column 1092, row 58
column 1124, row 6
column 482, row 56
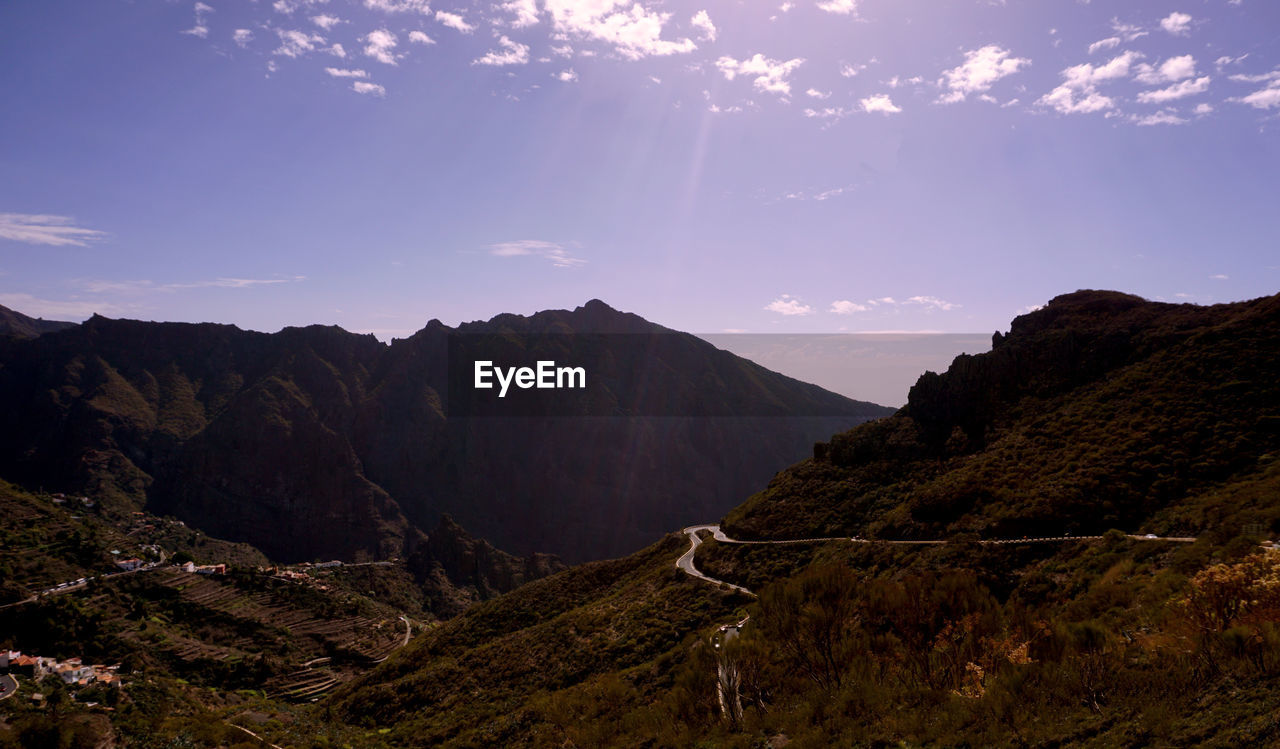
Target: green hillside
column 1100, row 414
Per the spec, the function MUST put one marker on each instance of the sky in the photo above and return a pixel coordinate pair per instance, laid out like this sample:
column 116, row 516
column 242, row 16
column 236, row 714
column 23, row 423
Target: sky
column 810, row 166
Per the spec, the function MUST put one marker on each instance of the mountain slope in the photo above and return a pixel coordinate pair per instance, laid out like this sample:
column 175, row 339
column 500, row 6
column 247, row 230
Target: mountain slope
column 14, row 323
column 1101, row 409
column 317, row 443
column 1098, row 411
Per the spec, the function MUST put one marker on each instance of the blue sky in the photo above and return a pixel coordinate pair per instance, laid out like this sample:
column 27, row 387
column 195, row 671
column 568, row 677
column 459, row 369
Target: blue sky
column 808, row 166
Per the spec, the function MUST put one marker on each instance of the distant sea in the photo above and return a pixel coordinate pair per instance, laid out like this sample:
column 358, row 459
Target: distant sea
column 876, row 367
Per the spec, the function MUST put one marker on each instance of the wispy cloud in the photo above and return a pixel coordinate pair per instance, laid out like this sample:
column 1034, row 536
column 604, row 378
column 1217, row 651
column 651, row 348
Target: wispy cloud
column 105, row 286
column 38, row 228
column 294, row 43
column 201, row 27
column 60, row 309
column 932, row 303
column 553, row 252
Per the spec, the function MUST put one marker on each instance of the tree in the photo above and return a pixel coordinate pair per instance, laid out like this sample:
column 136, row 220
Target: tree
column 813, row 618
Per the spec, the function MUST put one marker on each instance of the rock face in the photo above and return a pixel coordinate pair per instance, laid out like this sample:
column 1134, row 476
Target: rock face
column 458, row 569
column 319, row 443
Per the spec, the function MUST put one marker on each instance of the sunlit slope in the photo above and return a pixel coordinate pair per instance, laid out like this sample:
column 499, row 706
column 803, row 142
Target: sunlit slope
column 1099, row 411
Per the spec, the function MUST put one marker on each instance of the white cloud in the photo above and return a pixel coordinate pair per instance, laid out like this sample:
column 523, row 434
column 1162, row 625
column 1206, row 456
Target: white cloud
column 1176, row 91
column 567, row 76
column 816, row 94
column 417, row 37
column 1163, row 117
column 1219, row 277
column 400, row 6
column 1178, row 24
column 325, row 21
column 380, row 45
column 1273, row 76
column 980, row 70
column 39, row 228
column 826, row 113
column 771, row 75
column 1172, row 69
column 896, row 81
column 289, row 6
column 525, row 13
column 846, row 307
column 879, row 103
column 337, row 50
column 702, row 21
column 201, row 27
column 242, row 37
column 633, row 31
column 512, row 53
column 788, row 306
column 364, row 87
column 839, row 7
column 851, row 71
column 297, row 43
column 454, row 21
column 552, row 252
column 1078, row 93
column 1203, row 109
column 97, row 286
column 1127, row 32
column 344, row 73
column 1110, row 42
column 1226, row 60
column 932, row 303
column 1266, row 98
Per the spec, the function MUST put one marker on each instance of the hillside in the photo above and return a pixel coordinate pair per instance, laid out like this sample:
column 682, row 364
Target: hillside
column 18, row 325
column 1100, row 411
column 351, row 445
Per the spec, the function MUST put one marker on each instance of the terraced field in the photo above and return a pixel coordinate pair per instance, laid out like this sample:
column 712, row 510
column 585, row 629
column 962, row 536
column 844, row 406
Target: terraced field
column 240, row 624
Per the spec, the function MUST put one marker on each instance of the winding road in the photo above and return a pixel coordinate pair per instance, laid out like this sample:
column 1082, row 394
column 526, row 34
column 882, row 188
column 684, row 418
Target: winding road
column 686, row 561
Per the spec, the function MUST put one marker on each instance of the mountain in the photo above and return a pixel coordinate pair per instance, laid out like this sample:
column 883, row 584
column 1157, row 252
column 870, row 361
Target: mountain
column 316, row 443
column 16, row 324
column 1101, row 413
column 456, row 569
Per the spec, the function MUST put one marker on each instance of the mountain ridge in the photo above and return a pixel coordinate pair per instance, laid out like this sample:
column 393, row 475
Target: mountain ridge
column 345, row 443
